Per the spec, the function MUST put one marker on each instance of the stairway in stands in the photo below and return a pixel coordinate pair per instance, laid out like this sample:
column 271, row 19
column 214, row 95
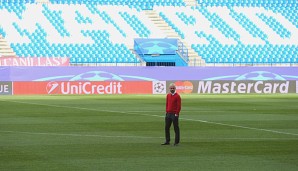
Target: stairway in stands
column 5, row 49
column 194, row 59
column 190, row 2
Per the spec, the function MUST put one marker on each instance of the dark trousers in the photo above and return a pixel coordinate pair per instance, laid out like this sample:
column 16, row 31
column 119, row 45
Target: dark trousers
column 169, row 119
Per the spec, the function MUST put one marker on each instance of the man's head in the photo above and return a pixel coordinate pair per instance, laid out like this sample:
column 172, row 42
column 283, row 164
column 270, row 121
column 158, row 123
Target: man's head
column 172, row 88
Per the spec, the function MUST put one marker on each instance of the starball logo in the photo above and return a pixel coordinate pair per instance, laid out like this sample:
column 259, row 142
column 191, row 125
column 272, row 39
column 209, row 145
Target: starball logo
column 84, row 88
column 159, row 87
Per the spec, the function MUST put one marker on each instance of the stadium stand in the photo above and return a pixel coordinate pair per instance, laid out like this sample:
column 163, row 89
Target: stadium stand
column 5, row 49
column 102, row 32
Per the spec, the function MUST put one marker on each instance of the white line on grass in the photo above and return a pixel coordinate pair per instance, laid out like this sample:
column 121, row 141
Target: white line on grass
column 80, row 135
column 142, row 114
column 244, row 127
column 143, row 137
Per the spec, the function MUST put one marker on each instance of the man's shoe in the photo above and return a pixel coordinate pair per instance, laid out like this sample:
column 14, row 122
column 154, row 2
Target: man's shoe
column 165, row 143
column 176, row 144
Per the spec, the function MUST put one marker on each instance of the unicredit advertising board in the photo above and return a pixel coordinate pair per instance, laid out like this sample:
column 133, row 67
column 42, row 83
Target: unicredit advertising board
column 149, row 87
column 147, row 80
column 75, row 87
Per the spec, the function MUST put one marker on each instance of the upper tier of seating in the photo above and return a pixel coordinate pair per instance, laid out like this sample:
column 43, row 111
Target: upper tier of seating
column 88, row 32
column 157, row 2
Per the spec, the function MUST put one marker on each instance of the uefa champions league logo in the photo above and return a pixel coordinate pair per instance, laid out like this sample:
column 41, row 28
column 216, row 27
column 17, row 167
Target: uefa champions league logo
column 157, row 47
column 159, row 87
column 260, row 75
column 95, row 76
column 254, row 75
column 108, row 76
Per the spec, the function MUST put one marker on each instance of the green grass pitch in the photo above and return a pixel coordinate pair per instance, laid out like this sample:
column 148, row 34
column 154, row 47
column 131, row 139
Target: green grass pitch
column 124, row 132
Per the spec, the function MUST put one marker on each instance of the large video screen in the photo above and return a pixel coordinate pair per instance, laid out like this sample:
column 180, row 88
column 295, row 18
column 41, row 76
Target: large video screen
column 155, row 46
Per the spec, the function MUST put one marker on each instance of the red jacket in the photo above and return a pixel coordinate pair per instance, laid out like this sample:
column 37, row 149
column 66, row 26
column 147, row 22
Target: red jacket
column 173, row 103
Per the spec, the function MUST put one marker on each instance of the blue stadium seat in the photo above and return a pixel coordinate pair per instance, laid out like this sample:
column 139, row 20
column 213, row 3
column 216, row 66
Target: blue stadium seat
column 104, row 43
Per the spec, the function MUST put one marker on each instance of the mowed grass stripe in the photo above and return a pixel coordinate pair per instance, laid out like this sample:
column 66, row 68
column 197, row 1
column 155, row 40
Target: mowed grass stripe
column 33, row 145
column 150, row 115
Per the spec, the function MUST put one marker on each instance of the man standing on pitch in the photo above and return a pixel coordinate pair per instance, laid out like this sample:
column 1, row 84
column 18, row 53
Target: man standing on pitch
column 173, row 107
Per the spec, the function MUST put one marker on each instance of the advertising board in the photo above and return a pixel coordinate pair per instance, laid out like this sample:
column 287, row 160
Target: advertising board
column 80, row 87
column 5, row 88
